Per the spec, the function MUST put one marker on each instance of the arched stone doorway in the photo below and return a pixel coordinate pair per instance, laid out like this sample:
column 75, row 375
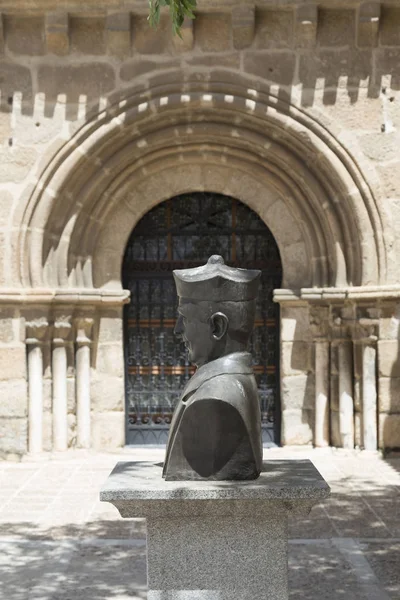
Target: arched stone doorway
column 320, row 200
column 183, row 232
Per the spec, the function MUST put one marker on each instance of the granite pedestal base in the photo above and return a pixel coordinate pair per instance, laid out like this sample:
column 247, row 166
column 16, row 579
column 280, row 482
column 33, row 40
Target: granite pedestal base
column 213, row 540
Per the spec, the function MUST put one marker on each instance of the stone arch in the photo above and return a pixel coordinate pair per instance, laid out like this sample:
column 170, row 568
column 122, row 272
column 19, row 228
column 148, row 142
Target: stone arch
column 225, row 137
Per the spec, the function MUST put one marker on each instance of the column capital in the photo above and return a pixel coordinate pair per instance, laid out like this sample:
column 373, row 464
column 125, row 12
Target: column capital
column 36, row 331
column 61, row 330
column 365, row 331
column 84, row 327
column 319, row 323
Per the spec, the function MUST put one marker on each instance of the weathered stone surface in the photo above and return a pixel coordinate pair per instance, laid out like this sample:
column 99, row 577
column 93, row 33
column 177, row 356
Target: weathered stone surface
column 389, row 429
column 147, row 40
column 13, row 435
column 389, row 33
column 107, row 393
column 297, row 427
column 390, row 177
column 110, row 359
column 381, row 146
column 368, row 24
column 389, row 395
column 274, row 29
column 387, row 66
column 87, row 35
column 15, row 79
column 57, row 33
column 275, row 67
column 15, row 163
column 231, row 60
column 296, row 357
column 118, row 34
column 5, row 128
column 295, row 324
column 298, row 391
column 184, row 42
column 6, row 327
column 353, row 115
column 389, row 324
column 336, row 27
column 389, row 358
column 14, row 401
column 110, row 328
column 135, row 68
column 25, row 35
column 306, row 25
column 213, row 32
column 108, row 430
column 325, row 68
column 92, row 80
column 243, row 26
column 12, row 362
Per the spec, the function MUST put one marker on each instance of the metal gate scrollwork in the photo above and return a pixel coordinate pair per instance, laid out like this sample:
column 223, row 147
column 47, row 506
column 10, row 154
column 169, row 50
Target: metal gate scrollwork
column 180, row 233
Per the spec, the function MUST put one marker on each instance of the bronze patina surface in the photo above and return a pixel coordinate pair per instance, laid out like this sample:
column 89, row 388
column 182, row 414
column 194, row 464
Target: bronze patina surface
column 216, row 427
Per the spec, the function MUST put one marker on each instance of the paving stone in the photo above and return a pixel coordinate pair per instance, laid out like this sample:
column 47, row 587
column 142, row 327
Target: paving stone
column 385, row 561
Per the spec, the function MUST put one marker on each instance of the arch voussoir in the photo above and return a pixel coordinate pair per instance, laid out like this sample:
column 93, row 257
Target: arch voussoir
column 209, row 134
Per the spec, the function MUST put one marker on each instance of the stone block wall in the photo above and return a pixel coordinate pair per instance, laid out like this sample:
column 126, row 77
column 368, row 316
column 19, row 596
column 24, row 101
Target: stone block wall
column 336, row 65
column 13, row 384
column 107, row 383
column 297, row 376
column 340, row 65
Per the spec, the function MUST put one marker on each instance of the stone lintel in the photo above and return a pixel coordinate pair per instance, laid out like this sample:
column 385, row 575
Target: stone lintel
column 57, row 32
column 118, row 30
column 306, row 25
column 368, row 24
column 243, row 26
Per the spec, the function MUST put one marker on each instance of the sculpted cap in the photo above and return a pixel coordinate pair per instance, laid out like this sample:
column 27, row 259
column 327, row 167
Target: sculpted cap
column 217, row 282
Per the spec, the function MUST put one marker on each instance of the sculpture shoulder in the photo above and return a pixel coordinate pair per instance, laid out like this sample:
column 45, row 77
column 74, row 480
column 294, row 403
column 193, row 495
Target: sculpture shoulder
column 226, row 387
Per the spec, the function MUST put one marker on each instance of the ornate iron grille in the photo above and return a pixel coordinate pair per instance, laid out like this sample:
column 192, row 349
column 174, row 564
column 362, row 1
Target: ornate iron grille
column 180, row 233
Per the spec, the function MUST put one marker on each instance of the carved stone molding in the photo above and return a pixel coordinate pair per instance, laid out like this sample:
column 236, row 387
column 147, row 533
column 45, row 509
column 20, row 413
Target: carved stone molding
column 84, row 326
column 37, row 331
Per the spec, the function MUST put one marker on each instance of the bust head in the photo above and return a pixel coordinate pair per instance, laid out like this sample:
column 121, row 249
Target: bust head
column 216, row 309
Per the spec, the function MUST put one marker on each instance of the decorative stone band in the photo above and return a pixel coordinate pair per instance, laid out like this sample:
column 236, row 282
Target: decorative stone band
column 72, row 296
column 383, row 292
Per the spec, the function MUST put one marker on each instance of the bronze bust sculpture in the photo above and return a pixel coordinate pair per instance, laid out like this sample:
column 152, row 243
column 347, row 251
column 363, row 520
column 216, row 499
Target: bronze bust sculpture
column 215, row 431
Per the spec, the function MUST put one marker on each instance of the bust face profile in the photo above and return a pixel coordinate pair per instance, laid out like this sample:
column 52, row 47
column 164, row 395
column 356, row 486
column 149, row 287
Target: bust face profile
column 222, row 324
column 202, row 330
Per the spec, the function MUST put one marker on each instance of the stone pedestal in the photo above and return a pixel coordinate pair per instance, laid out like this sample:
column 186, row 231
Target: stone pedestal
column 216, row 540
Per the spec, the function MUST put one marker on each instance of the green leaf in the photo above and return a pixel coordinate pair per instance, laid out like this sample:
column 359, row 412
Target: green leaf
column 179, row 9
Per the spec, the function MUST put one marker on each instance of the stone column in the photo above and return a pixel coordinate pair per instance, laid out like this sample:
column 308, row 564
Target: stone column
column 61, row 331
column 83, row 327
column 36, row 331
column 321, row 434
column 369, row 394
column 346, row 407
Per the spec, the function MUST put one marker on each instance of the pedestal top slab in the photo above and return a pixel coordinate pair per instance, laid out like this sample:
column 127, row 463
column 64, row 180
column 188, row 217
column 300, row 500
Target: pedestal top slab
column 280, row 480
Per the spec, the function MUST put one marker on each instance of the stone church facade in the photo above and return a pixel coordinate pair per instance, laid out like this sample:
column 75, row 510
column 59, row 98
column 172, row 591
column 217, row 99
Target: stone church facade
column 291, row 108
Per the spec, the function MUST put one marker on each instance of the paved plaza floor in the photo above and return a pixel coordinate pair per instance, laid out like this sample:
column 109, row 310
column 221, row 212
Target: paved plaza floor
column 57, row 541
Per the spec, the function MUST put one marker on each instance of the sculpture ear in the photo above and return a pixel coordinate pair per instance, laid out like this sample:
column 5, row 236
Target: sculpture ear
column 219, row 325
